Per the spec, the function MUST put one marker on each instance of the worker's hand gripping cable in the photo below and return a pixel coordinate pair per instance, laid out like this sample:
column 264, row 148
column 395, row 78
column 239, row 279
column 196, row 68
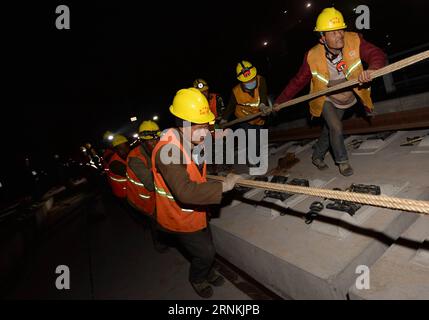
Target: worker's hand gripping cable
column 229, row 182
column 265, row 110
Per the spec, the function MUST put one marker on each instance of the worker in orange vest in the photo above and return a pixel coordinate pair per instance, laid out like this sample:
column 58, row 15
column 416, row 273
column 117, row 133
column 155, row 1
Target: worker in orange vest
column 335, row 59
column 183, row 193
column 248, row 97
column 117, row 174
column 140, row 187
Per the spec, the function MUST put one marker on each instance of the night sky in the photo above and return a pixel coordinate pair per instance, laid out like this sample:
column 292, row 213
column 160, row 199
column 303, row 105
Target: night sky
column 122, row 59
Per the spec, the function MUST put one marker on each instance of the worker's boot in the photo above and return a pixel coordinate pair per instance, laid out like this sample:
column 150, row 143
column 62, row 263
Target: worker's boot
column 345, row 169
column 319, row 163
column 203, row 289
column 215, row 279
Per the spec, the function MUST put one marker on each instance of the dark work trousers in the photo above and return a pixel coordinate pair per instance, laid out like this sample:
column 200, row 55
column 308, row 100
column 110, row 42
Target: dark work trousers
column 158, row 237
column 147, row 222
column 199, row 246
column 332, row 135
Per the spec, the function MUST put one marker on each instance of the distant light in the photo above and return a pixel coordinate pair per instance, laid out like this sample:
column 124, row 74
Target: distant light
column 34, row 173
column 135, row 135
column 110, row 138
column 389, row 43
column 1, row 185
column 133, row 119
column 308, row 5
column 387, row 36
column 155, row 118
column 265, row 43
column 285, row 11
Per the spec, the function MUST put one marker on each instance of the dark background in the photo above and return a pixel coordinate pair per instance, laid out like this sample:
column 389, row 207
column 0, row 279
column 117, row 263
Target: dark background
column 63, row 88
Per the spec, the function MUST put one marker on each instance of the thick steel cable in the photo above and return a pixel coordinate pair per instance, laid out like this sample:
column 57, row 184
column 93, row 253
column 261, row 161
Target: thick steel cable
column 375, row 74
column 418, row 206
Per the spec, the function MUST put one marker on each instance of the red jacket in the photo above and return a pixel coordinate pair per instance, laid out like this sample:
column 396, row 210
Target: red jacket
column 372, row 55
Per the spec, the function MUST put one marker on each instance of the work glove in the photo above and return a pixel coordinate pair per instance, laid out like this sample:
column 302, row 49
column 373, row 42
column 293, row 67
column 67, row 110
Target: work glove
column 230, row 181
column 266, row 110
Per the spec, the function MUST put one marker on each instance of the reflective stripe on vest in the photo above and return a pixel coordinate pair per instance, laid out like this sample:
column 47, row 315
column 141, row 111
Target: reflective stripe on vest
column 134, row 181
column 243, row 98
column 162, row 192
column 252, row 104
column 349, row 71
column 137, row 194
column 169, row 196
column 320, row 77
column 247, row 104
column 316, row 59
column 118, row 180
column 354, row 66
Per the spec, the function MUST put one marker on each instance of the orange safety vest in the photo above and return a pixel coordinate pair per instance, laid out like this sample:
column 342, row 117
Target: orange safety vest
column 137, row 194
column 170, row 214
column 213, row 103
column 117, row 183
column 246, row 104
column 316, row 59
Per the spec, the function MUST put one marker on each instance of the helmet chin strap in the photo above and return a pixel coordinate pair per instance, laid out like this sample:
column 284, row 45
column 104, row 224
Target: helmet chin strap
column 330, row 55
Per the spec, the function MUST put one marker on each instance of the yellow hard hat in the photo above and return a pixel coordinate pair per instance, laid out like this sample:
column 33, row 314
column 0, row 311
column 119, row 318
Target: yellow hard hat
column 149, row 129
column 245, row 71
column 119, row 139
column 201, row 85
column 191, row 105
column 107, row 134
column 330, row 19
